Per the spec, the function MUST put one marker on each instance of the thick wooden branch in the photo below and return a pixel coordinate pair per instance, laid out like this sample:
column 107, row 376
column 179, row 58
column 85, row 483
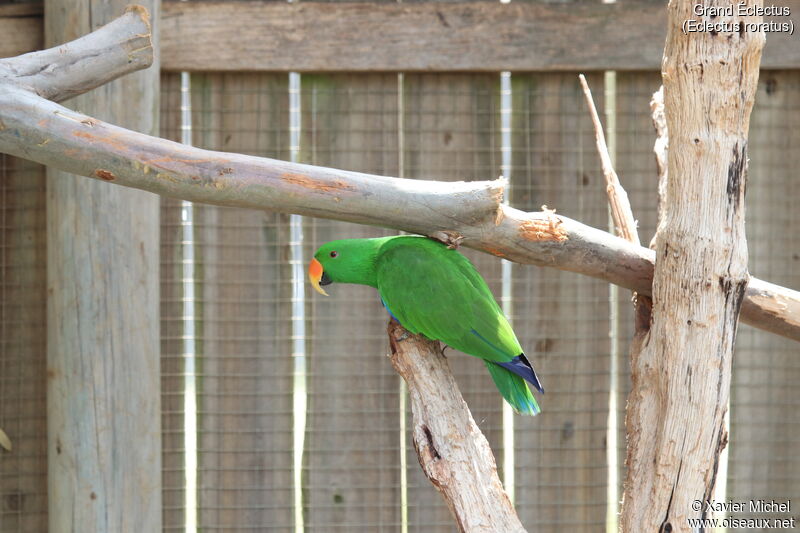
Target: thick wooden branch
column 452, row 451
column 767, row 303
column 40, row 130
column 681, row 378
column 120, row 47
column 43, row 131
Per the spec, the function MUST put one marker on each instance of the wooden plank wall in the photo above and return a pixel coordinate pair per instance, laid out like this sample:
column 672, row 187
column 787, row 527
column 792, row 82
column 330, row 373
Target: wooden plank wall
column 451, row 133
column 765, row 406
column 23, row 359
column 428, row 36
column 245, row 392
column 562, row 318
column 352, row 470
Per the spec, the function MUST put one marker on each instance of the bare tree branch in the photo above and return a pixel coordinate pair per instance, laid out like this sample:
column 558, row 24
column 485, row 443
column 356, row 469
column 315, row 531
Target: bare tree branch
column 45, row 132
column 34, row 128
column 452, row 451
column 625, row 223
column 118, row 48
column 621, row 210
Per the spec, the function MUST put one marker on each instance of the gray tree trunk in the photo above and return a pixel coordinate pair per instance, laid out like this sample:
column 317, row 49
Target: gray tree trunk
column 681, row 377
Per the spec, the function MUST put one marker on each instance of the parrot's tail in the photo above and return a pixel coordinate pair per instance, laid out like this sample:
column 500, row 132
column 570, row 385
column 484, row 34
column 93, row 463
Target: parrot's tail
column 523, row 368
column 514, row 389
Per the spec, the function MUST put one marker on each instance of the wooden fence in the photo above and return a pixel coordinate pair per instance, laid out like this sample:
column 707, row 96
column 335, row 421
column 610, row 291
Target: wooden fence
column 440, row 125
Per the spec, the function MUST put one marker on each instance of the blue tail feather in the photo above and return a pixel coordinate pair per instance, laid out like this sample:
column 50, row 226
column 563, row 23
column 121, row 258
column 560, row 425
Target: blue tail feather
column 518, row 365
column 514, row 389
column 523, row 368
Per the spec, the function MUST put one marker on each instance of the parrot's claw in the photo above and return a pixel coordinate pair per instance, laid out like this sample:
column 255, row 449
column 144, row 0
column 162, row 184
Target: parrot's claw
column 452, row 239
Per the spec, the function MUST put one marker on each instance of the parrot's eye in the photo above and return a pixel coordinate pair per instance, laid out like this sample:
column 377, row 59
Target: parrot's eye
column 334, row 254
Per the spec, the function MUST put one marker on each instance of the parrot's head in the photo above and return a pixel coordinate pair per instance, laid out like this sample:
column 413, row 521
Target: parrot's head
column 344, row 261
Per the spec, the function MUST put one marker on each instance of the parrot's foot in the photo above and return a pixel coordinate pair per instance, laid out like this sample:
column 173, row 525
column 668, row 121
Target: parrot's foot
column 396, row 330
column 452, row 239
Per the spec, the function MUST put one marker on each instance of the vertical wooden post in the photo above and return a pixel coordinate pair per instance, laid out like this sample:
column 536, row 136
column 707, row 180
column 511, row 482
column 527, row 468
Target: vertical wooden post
column 681, row 377
column 104, row 453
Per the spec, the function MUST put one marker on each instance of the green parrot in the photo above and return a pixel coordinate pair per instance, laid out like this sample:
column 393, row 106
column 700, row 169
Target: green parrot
column 433, row 290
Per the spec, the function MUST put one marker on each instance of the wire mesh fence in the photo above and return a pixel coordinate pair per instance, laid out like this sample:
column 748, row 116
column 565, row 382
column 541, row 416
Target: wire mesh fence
column 23, row 361
column 358, row 471
column 242, row 288
column 447, row 127
column 562, row 319
column 765, row 409
column 350, row 470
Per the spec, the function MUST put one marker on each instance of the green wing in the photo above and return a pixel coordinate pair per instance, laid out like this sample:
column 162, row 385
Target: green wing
column 437, row 292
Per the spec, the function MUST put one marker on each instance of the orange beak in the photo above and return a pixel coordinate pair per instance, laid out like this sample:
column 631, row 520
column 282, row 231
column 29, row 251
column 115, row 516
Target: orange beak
column 315, row 272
